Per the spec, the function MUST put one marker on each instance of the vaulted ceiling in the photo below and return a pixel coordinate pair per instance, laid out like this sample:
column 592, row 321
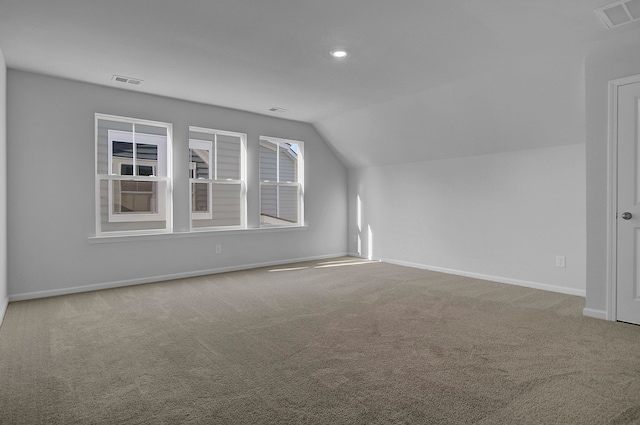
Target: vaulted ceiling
column 424, row 79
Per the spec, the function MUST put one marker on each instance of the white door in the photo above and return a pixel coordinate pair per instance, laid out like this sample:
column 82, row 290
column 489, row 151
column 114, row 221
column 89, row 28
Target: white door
column 628, row 215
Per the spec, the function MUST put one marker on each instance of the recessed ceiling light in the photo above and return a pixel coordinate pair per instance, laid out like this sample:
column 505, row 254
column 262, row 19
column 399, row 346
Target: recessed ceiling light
column 339, row 53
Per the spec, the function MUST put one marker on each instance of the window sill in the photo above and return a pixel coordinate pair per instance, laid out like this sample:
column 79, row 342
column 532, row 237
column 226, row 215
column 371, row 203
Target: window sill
column 126, row 237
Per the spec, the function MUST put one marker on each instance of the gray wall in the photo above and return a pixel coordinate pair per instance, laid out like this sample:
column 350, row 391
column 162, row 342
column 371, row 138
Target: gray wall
column 503, row 217
column 3, row 188
column 51, row 192
column 615, row 58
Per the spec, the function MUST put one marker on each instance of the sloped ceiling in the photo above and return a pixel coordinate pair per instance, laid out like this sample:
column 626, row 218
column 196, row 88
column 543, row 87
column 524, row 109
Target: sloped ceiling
column 425, row 79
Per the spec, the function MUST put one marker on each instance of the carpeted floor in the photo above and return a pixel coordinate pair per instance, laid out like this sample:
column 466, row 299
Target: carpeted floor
column 341, row 341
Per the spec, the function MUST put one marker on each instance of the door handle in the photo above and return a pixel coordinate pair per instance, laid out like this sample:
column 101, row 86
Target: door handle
column 626, row 216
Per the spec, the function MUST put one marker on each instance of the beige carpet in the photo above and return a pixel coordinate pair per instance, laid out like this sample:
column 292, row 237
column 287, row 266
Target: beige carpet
column 329, row 342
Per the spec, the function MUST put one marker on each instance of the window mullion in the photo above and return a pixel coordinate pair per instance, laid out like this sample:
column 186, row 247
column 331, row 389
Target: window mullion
column 278, row 179
column 135, row 153
column 214, row 161
column 213, row 165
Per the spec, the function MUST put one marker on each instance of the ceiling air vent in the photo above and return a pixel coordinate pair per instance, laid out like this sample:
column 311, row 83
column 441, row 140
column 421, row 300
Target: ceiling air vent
column 121, row 79
column 278, row 110
column 619, row 13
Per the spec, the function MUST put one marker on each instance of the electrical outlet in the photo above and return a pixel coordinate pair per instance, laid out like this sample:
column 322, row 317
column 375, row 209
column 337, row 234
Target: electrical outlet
column 561, row 261
column 218, row 249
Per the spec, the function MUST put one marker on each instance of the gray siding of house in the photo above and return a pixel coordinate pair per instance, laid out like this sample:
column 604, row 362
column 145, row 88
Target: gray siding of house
column 280, row 202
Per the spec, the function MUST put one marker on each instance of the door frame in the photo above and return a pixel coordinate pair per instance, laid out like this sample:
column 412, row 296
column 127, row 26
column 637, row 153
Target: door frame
column 612, row 195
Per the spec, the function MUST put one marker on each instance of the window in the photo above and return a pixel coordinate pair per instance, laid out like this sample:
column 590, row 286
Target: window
column 134, row 183
column 281, row 182
column 217, row 178
column 132, row 175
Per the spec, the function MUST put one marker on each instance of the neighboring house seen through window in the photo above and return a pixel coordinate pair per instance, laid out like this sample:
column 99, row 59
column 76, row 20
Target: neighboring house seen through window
column 135, row 200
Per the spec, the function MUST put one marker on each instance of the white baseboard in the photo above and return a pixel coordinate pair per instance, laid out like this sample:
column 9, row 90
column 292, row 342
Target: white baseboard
column 596, row 314
column 3, row 309
column 499, row 279
column 130, row 282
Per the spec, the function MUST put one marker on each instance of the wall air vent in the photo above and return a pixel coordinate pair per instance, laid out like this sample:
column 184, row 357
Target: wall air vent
column 278, row 110
column 127, row 80
column 619, row 13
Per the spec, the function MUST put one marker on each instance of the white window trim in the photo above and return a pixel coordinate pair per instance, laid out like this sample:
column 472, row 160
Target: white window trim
column 299, row 184
column 168, row 210
column 242, row 182
column 150, row 236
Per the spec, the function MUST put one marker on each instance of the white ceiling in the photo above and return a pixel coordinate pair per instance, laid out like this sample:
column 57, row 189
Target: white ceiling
column 440, row 79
